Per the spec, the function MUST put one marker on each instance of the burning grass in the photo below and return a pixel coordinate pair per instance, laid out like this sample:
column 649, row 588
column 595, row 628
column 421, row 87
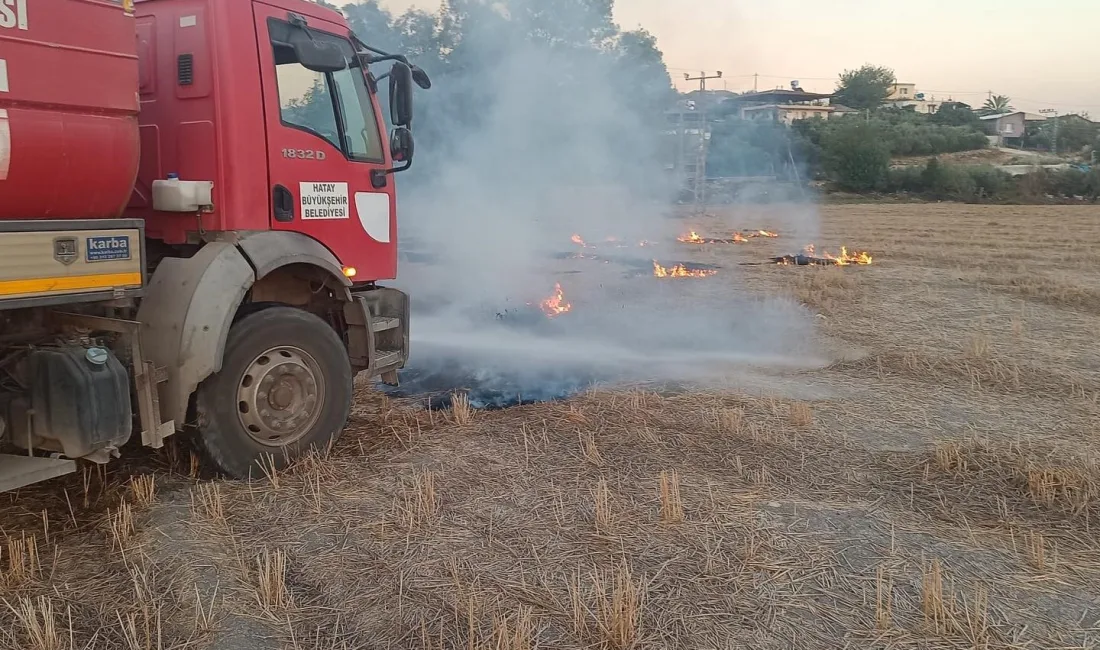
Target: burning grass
column 556, row 305
column 737, row 237
column 681, row 270
column 811, row 257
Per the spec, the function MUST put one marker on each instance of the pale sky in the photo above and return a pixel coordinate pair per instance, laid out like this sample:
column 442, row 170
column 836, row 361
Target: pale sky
column 1042, row 53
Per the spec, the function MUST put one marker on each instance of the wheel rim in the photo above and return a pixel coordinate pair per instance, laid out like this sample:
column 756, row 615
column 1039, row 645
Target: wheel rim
column 280, row 396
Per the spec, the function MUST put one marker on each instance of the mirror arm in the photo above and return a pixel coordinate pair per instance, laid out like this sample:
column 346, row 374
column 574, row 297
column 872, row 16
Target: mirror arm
column 378, row 176
column 386, row 56
column 299, row 21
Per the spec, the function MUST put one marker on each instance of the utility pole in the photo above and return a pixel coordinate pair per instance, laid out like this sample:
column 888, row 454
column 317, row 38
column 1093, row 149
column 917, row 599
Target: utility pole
column 699, row 182
column 755, row 80
column 1054, row 143
column 702, row 79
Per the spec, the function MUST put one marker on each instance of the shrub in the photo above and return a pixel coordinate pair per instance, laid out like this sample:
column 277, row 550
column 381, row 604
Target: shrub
column 1073, row 182
column 855, row 156
column 905, row 179
column 950, row 182
column 990, row 182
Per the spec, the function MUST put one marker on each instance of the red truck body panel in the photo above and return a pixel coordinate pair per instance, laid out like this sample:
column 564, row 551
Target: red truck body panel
column 225, row 126
column 68, row 109
column 96, row 104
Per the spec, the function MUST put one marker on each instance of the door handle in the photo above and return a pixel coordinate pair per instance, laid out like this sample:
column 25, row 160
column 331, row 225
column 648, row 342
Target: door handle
column 283, row 202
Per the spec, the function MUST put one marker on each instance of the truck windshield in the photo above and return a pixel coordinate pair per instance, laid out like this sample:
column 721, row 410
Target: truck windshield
column 333, row 106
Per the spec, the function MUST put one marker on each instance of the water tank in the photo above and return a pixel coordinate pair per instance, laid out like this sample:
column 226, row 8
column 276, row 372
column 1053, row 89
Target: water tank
column 69, row 145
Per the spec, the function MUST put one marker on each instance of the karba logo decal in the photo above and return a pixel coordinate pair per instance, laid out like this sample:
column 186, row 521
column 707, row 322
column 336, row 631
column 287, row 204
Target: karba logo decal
column 108, row 243
column 107, row 249
column 13, row 14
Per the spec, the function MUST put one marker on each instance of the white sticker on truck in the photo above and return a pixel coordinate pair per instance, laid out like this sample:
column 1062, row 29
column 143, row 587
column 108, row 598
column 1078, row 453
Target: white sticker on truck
column 324, row 200
column 5, row 144
column 373, row 209
column 3, row 75
column 13, row 13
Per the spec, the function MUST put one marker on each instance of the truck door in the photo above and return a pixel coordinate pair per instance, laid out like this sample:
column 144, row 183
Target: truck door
column 324, row 137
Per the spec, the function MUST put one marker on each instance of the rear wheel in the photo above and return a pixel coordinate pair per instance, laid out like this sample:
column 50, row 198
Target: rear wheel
column 284, row 387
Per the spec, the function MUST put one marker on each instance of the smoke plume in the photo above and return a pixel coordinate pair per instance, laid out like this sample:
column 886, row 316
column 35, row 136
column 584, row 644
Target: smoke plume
column 535, row 139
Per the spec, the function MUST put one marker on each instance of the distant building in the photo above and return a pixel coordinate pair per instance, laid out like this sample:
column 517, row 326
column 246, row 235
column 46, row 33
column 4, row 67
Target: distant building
column 902, row 92
column 952, row 104
column 707, row 100
column 784, row 106
column 906, row 96
column 1008, row 129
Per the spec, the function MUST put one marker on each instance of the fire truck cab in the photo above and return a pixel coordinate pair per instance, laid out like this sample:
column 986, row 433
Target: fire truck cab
column 201, row 197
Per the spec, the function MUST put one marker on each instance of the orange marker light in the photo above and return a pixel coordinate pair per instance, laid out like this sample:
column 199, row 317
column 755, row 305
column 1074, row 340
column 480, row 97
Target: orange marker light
column 349, row 271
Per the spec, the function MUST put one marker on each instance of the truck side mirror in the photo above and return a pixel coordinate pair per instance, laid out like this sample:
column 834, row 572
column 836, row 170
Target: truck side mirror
column 402, row 147
column 401, row 94
column 421, row 78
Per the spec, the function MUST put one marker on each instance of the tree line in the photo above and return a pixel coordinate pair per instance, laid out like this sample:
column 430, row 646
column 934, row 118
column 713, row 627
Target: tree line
column 567, row 59
column 854, row 153
column 574, row 61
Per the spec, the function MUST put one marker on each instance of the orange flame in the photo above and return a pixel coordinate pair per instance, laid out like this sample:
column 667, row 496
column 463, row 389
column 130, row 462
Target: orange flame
column 739, row 238
column 556, row 305
column 861, row 258
column 576, row 239
column 680, row 271
column 856, row 257
column 692, row 238
column 766, row 233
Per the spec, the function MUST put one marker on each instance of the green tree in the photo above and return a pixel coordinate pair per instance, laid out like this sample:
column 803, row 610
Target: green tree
column 997, row 104
column 489, row 57
column 865, row 88
column 953, row 114
column 856, row 156
column 642, row 68
column 1074, row 134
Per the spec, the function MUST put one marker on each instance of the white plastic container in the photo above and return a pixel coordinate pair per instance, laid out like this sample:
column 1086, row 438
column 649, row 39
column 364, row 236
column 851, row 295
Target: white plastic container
column 174, row 195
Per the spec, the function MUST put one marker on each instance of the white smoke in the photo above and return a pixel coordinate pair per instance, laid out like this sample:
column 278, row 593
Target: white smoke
column 557, row 149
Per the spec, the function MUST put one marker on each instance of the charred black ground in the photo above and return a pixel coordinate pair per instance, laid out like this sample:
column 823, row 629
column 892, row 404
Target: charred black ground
column 436, row 388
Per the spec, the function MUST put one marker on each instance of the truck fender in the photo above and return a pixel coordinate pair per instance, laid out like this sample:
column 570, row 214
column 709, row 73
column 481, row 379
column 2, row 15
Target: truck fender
column 186, row 314
column 269, row 250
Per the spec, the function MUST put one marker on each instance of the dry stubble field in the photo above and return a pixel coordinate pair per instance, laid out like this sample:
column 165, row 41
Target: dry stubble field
column 945, row 494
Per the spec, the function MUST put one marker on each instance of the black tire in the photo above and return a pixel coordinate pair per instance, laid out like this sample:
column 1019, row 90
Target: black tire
column 221, row 414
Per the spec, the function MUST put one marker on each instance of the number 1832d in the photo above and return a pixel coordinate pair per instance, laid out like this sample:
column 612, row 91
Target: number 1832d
column 303, row 154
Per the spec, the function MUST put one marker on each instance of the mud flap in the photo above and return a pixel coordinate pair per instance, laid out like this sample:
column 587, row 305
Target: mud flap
column 20, row 471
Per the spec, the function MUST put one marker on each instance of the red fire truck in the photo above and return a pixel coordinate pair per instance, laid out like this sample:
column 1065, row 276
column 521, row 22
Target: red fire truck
column 196, row 206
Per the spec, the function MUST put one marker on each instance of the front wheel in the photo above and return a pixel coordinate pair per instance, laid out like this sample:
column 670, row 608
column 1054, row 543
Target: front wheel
column 285, row 386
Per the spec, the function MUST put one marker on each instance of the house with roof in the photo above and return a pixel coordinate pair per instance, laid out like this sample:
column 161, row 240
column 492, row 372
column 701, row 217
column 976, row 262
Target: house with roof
column 781, row 105
column 904, row 95
column 1009, row 129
